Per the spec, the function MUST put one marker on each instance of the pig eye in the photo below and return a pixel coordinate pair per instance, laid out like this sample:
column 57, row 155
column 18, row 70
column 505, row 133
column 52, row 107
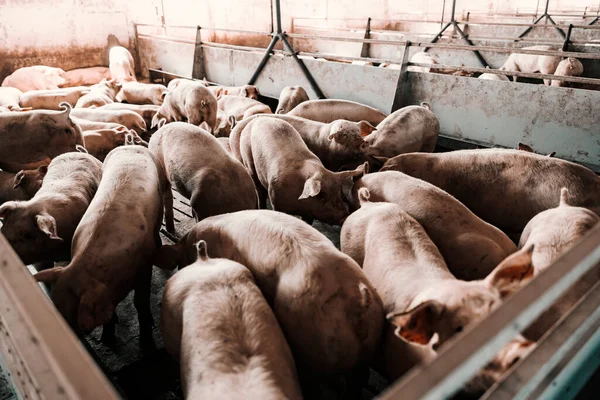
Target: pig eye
column 459, row 328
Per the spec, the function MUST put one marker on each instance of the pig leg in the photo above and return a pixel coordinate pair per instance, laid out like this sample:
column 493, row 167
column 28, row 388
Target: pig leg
column 168, row 202
column 108, row 330
column 262, row 196
column 141, row 300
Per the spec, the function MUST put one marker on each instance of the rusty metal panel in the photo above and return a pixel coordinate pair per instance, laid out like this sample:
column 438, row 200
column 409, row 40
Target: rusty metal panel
column 549, row 119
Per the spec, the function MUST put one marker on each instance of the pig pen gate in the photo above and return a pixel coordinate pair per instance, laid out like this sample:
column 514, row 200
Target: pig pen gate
column 34, row 339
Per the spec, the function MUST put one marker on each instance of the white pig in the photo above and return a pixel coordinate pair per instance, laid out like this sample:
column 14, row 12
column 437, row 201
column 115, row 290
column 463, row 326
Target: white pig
column 506, row 188
column 41, row 229
column 217, row 322
column 289, row 98
column 554, row 232
column 289, row 173
column 568, row 67
column 10, row 97
column 37, row 77
column 532, row 63
column 146, row 111
column 330, row 110
column 329, row 312
column 493, row 77
column 142, row 93
column 249, row 91
column 100, row 94
column 420, row 295
column 86, row 76
column 131, row 119
column 121, row 64
column 242, row 107
column 409, row 129
column 471, row 247
column 102, row 141
column 51, row 99
column 202, row 171
column 21, row 186
column 113, row 247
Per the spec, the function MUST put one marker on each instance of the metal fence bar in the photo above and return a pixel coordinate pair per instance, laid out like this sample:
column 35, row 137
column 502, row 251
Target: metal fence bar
column 471, row 350
column 592, row 81
column 206, row 29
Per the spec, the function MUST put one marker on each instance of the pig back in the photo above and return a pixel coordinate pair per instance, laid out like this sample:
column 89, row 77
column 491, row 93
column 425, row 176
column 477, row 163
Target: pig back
column 327, row 111
column 328, row 310
column 34, row 136
column 124, row 217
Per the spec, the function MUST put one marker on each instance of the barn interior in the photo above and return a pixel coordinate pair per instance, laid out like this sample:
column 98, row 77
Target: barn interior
column 367, row 53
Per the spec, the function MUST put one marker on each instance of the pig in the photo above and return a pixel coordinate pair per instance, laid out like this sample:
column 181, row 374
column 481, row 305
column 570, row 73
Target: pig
column 493, row 77
column 100, row 142
column 295, row 180
column 21, row 186
column 10, row 97
column 87, row 125
column 330, row 110
column 553, row 232
column 504, row 187
column 420, row 296
column 41, row 229
column 173, row 83
column 31, row 139
column 131, row 119
column 217, row 322
column 338, row 144
column 526, row 147
column 390, row 66
column 191, row 102
column 51, row 99
column 471, row 247
column 113, row 247
column 409, row 129
column 225, row 123
column 202, row 171
column 568, row 67
column 121, row 65
column 242, row 107
column 224, row 142
column 86, row 76
column 423, row 58
column 329, row 312
column 142, row 93
column 532, row 63
column 362, row 63
column 37, row 77
column 249, row 91
column 146, row 111
column 100, row 94
column 289, row 98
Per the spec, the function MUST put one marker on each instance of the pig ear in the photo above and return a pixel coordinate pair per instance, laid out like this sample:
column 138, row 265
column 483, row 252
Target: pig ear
column 7, row 208
column 419, row 324
column 524, row 147
column 357, row 173
column 312, row 187
column 219, row 93
column 204, row 125
column 365, row 128
column 19, row 177
column 50, row 275
column 95, row 308
column 163, row 95
column 363, row 195
column 201, row 250
column 512, row 273
column 551, row 154
column 43, row 169
column 47, row 224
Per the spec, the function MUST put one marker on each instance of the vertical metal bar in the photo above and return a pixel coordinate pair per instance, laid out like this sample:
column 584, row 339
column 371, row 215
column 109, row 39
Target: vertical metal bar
column 305, row 70
column 567, row 38
column 401, row 85
column 453, row 10
column 466, row 39
column 443, row 12
column 366, row 46
column 278, row 16
column 546, row 9
column 264, row 60
column 198, row 71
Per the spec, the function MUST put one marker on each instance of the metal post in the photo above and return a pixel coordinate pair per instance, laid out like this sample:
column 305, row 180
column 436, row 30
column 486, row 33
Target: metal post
column 401, row 85
column 364, row 53
column 198, row 71
column 567, row 38
column 462, row 34
column 548, row 19
column 280, row 35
